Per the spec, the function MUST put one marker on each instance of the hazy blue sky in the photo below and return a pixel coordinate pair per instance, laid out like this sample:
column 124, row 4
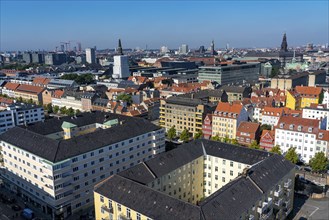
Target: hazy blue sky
column 29, row 25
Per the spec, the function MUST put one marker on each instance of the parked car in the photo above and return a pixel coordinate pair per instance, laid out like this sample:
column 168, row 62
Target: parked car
column 308, row 169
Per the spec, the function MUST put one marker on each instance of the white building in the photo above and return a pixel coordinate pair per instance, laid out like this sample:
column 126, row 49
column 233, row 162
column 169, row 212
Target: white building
column 320, row 112
column 56, row 164
column 121, row 67
column 303, row 134
column 20, row 114
column 90, row 55
column 271, row 115
column 326, row 97
column 183, row 49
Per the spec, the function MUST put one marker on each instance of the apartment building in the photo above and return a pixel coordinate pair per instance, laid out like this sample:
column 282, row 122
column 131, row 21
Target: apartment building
column 325, row 100
column 9, row 89
column 309, row 95
column 248, row 132
column 29, row 92
column 271, row 115
column 77, row 100
column 267, row 139
column 55, row 164
column 187, row 111
column 306, row 135
column 200, row 180
column 237, row 93
column 320, row 112
column 294, row 100
column 20, row 114
column 226, row 119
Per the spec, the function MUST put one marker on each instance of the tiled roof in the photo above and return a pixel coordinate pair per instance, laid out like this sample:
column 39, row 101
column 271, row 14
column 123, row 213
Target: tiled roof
column 272, row 111
column 40, row 81
column 298, row 124
column 248, row 127
column 323, row 135
column 11, row 86
column 308, row 90
column 268, row 132
column 58, row 93
column 30, row 89
column 229, row 108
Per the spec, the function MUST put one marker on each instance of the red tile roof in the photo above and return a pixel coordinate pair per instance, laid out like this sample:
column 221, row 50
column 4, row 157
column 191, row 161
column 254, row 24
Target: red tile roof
column 58, row 93
column 40, row 81
column 229, row 108
column 271, row 133
column 308, row 90
column 11, row 86
column 30, row 89
column 248, row 127
column 272, row 111
column 304, row 123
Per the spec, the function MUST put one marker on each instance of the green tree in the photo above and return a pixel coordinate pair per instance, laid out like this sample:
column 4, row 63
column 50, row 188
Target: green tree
column 321, row 96
column 291, row 155
column 77, row 112
column 226, row 139
column 171, row 134
column 265, row 127
column 275, row 71
column 63, row 110
column 49, row 108
column 30, row 101
column 215, row 138
column 234, row 141
column 198, row 135
column 254, row 145
column 20, row 99
column 125, row 97
column 319, row 162
column 276, row 149
column 185, row 135
column 70, row 111
column 55, row 109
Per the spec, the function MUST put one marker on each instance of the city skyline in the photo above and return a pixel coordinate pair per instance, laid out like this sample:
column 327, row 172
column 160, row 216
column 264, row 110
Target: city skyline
column 35, row 25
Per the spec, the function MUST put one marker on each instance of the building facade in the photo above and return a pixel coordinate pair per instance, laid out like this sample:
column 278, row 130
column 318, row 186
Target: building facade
column 55, row 164
column 169, row 186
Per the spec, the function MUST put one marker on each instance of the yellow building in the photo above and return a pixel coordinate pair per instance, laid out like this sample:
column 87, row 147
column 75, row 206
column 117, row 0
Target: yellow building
column 227, row 118
column 185, row 183
column 310, row 95
column 293, row 100
column 187, row 111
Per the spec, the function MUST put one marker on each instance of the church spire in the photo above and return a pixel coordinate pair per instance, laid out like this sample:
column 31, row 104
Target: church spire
column 284, row 44
column 119, row 49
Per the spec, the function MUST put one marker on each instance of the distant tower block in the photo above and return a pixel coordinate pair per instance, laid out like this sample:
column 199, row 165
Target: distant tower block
column 284, row 44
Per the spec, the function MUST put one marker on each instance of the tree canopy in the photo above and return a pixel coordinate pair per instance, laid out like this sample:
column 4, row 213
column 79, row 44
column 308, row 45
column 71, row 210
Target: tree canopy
column 291, row 155
column 265, row 127
column 125, row 97
column 254, row 145
column 185, row 135
column 276, row 149
column 171, row 134
column 319, row 162
column 198, row 135
column 80, row 79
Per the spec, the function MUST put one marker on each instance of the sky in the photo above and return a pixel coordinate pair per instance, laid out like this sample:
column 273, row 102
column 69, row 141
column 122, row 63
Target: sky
column 34, row 25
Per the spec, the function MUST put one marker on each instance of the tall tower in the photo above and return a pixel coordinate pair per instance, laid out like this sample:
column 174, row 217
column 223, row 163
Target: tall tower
column 121, row 65
column 284, row 44
column 119, row 49
column 212, row 47
column 90, row 55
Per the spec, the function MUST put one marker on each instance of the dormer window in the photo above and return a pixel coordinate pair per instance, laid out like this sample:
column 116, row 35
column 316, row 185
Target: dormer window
column 299, row 128
column 321, row 135
column 281, row 125
column 291, row 127
column 310, row 129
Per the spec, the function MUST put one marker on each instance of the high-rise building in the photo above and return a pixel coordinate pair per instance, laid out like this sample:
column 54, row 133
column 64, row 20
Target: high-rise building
column 164, row 49
column 90, row 55
column 55, row 164
column 55, row 58
column 183, row 49
column 121, row 65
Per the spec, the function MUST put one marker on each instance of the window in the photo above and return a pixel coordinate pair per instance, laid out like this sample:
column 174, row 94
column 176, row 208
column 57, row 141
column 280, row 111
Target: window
column 224, row 161
column 102, row 198
column 231, row 163
column 231, row 172
column 119, row 207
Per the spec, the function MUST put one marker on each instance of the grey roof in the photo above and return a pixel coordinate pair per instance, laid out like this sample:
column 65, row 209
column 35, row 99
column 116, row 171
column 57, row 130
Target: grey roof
column 61, row 82
column 237, row 89
column 55, row 151
column 230, row 202
column 147, row 201
column 270, row 171
column 166, row 162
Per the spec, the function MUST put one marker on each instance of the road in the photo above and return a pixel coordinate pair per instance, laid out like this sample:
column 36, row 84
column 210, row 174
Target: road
column 311, row 209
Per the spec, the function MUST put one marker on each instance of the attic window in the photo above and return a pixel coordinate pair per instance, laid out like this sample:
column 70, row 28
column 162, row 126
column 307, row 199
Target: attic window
column 291, row 127
column 321, row 135
column 281, row 125
column 310, row 129
column 299, row 128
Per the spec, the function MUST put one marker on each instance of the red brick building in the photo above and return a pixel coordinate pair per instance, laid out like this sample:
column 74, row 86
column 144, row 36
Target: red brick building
column 248, row 132
column 267, row 140
column 207, row 126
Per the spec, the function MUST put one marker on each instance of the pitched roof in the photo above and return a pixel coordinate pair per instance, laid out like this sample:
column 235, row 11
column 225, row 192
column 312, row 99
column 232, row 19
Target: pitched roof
column 305, row 123
column 248, row 127
column 272, row 111
column 30, row 89
column 229, row 108
column 32, row 138
column 58, row 93
column 40, row 81
column 11, row 86
column 308, row 90
column 271, row 133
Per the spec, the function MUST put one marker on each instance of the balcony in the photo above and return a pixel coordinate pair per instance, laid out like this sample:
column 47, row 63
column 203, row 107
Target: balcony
column 286, row 204
column 287, row 193
column 267, row 214
column 288, row 183
column 278, row 192
column 278, row 202
column 107, row 209
column 251, row 217
column 265, row 205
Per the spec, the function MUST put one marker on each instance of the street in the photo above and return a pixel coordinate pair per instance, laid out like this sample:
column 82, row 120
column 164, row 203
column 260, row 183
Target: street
column 311, row 209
